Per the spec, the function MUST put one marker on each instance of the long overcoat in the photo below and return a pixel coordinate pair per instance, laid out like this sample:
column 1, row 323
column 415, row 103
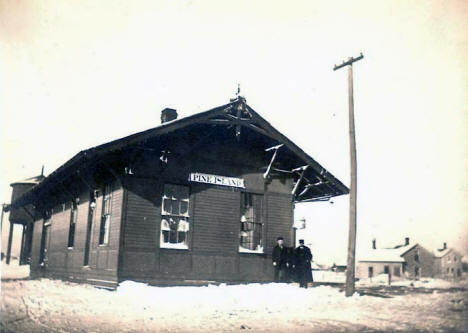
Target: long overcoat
column 303, row 257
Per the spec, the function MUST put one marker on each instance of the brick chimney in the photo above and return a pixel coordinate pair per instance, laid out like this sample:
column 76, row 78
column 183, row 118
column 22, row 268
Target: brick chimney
column 168, row 114
column 374, row 244
column 406, row 241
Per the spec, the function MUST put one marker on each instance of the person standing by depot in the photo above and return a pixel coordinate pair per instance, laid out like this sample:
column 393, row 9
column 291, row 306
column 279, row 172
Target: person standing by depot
column 280, row 260
column 303, row 258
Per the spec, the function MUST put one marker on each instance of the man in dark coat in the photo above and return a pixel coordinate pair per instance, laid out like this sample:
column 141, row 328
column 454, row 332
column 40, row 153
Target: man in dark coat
column 303, row 257
column 280, row 260
column 290, row 264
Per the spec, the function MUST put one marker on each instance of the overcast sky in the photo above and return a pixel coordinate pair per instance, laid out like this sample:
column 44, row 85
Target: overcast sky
column 74, row 74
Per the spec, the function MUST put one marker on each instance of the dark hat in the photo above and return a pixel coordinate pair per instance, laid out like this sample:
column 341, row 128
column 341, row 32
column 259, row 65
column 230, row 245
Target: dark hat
column 279, row 238
column 301, row 241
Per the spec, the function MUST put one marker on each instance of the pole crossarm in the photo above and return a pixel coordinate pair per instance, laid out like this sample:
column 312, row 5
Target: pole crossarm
column 347, row 62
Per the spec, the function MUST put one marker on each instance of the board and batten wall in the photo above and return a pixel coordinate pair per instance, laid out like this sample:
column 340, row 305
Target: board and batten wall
column 68, row 263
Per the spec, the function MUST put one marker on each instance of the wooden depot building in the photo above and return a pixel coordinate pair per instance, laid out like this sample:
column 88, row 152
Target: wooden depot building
column 197, row 199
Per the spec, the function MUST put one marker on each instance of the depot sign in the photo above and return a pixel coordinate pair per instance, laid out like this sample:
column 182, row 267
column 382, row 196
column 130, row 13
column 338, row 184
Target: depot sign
column 216, row 180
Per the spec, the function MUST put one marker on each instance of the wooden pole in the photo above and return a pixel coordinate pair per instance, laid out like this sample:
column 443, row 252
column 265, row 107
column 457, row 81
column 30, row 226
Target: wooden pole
column 22, row 251
column 10, row 239
column 350, row 270
column 1, row 219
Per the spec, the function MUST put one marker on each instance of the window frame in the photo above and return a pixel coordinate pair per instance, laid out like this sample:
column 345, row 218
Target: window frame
column 106, row 213
column 46, row 225
column 243, row 220
column 73, row 223
column 167, row 215
column 417, row 255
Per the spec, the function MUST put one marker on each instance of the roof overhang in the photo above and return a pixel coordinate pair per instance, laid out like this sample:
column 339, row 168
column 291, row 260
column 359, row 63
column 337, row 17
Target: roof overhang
column 314, row 183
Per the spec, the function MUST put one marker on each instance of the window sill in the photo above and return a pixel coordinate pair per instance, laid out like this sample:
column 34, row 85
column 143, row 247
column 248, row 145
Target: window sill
column 70, row 248
column 174, row 247
column 103, row 245
column 244, row 250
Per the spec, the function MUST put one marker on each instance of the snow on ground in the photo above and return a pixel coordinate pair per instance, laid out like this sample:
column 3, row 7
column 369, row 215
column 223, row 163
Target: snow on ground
column 46, row 305
column 324, row 276
column 14, row 270
column 429, row 283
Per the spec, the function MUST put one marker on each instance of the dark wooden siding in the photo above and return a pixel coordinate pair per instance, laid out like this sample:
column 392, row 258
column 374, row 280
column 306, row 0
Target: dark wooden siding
column 214, row 235
column 67, row 263
column 213, row 252
column 280, row 218
column 140, row 228
column 36, row 247
column 142, row 211
column 216, row 221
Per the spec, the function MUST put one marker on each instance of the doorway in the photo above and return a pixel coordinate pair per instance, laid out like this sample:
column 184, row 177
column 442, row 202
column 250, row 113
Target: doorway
column 371, row 271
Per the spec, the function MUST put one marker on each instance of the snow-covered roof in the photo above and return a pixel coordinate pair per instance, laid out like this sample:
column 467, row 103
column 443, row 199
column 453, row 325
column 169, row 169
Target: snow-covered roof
column 32, row 180
column 439, row 253
column 385, row 255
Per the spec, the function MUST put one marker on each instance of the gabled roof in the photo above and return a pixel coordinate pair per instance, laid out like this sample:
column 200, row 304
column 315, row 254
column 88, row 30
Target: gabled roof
column 439, row 253
column 317, row 182
column 386, row 255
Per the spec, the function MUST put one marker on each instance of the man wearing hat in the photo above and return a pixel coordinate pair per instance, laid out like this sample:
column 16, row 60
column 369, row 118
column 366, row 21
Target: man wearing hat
column 280, row 260
column 303, row 257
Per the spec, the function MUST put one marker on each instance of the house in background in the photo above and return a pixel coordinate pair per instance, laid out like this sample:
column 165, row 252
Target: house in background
column 448, row 263
column 401, row 262
column 197, row 199
column 465, row 263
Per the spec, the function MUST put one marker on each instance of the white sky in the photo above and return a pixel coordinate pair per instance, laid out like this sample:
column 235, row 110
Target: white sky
column 78, row 74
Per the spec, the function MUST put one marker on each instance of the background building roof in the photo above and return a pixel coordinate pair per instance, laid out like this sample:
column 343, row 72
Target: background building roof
column 385, row 255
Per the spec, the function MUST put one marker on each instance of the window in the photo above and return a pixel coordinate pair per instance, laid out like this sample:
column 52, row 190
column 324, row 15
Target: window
column 73, row 220
column 251, row 226
column 416, row 255
column 396, row 271
column 89, row 227
column 44, row 239
column 416, row 271
column 386, row 270
column 106, row 214
column 175, row 223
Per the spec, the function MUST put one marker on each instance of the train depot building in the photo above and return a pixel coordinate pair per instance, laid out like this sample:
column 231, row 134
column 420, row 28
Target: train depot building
column 194, row 200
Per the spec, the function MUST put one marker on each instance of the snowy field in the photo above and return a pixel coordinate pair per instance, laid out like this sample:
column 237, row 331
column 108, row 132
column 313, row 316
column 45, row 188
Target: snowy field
column 55, row 306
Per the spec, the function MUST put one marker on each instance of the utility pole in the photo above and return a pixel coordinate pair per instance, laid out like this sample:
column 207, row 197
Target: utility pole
column 1, row 219
column 350, row 270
